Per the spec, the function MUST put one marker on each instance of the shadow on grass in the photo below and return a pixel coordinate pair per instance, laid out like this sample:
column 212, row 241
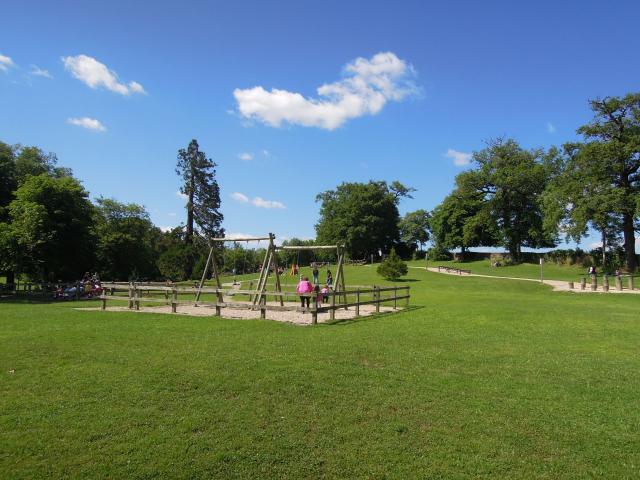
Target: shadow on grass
column 22, row 300
column 374, row 316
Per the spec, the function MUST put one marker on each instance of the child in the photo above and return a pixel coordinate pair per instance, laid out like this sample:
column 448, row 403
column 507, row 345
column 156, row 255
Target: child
column 318, row 295
column 316, row 274
column 325, row 293
column 329, row 278
column 303, row 289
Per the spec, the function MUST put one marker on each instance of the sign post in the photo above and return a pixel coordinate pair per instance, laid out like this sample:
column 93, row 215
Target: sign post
column 541, row 270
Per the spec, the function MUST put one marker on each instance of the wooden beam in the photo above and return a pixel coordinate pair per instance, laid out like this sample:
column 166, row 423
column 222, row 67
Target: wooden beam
column 308, row 247
column 247, row 239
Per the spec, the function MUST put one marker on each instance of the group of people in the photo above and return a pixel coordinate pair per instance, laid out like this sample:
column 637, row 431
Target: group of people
column 306, row 289
column 88, row 287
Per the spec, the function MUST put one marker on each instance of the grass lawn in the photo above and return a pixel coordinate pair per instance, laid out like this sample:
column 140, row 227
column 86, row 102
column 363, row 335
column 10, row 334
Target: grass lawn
column 484, row 378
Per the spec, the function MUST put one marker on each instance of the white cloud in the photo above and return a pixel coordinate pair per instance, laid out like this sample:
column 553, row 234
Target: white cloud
column 246, row 156
column 262, row 203
column 240, row 197
column 551, row 127
column 39, row 72
column 460, row 159
column 95, row 74
column 181, row 195
column 257, row 201
column 88, row 123
column 235, row 235
column 265, row 153
column 6, row 63
column 171, row 214
column 165, row 229
column 368, row 85
column 135, row 87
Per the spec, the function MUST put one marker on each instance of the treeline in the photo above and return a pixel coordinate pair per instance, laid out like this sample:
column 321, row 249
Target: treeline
column 515, row 198
column 51, row 231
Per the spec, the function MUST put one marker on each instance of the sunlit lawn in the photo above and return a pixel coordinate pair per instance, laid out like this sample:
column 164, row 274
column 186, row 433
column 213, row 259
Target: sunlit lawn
column 484, row 378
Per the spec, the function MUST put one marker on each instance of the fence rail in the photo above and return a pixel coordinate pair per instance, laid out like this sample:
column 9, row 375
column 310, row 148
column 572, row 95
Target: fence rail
column 135, row 294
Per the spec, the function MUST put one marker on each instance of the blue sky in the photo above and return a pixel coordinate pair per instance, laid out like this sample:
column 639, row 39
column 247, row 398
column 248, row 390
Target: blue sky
column 454, row 74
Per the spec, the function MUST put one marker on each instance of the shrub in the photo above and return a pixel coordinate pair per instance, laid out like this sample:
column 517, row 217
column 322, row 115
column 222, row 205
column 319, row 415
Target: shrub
column 392, row 268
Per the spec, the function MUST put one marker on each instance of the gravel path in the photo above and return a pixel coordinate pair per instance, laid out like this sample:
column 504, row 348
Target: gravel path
column 294, row 317
column 558, row 285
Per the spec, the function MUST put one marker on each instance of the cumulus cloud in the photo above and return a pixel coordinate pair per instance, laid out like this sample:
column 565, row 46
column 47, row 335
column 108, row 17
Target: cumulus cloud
column 257, row 201
column 95, row 74
column 265, row 152
column 88, row 123
column 460, row 159
column 246, row 156
column 368, row 84
column 262, row 203
column 6, row 63
column 181, row 195
column 39, row 72
column 240, row 197
column 551, row 127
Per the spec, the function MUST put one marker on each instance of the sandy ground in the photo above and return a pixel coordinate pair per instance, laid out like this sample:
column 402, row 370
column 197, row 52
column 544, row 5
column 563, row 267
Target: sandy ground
column 297, row 318
column 558, row 285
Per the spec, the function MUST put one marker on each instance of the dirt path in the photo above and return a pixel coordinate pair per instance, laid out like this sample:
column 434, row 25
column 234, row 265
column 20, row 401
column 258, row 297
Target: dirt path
column 558, row 285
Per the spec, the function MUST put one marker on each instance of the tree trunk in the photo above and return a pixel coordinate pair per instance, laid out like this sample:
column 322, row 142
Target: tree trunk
column 629, row 242
column 11, row 277
column 189, row 237
column 604, row 249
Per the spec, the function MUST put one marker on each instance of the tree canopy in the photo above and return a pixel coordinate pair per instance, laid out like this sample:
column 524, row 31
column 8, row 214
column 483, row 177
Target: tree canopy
column 362, row 216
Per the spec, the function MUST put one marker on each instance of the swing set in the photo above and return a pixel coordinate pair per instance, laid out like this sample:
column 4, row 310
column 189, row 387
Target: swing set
column 269, row 263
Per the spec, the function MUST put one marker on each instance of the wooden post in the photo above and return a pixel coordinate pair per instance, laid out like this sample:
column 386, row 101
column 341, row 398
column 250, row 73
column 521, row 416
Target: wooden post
column 130, row 296
column 174, row 300
column 376, row 294
column 77, row 290
column 332, row 312
column 618, row 283
column 103, row 297
column 583, row 283
column 136, row 296
column 204, row 274
column 263, row 304
column 358, row 303
column 631, row 282
column 166, row 296
column 395, row 298
column 314, row 312
column 605, row 283
column 570, row 285
column 594, row 283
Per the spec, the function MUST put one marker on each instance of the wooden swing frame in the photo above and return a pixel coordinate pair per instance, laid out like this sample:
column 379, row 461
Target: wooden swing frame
column 270, row 260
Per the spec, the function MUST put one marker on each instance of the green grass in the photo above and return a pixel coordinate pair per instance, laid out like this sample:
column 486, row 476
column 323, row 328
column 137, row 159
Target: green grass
column 485, row 378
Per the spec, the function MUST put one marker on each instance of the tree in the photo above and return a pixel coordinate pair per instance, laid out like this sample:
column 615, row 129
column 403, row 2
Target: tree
column 32, row 161
column 362, row 216
column 202, row 191
column 582, row 196
column 414, row 228
column 461, row 222
column 126, row 238
column 613, row 144
column 8, row 182
column 392, row 268
column 510, row 182
column 51, row 224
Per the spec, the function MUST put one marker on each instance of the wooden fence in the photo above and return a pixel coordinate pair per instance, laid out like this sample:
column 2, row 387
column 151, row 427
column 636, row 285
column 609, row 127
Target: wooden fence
column 135, row 294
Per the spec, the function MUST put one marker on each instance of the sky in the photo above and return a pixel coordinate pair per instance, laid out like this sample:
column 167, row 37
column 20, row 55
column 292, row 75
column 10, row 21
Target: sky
column 291, row 98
